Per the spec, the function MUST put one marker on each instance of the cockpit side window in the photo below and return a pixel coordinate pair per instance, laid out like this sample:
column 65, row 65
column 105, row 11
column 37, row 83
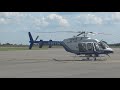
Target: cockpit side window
column 103, row 45
column 106, row 45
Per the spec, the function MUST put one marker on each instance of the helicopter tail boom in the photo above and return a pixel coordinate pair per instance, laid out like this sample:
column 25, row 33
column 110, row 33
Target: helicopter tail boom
column 41, row 42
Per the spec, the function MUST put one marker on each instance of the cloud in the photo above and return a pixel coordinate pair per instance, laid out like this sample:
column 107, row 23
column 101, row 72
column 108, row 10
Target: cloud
column 40, row 22
column 49, row 21
column 15, row 14
column 2, row 21
column 59, row 19
column 90, row 19
column 11, row 17
column 116, row 17
column 112, row 18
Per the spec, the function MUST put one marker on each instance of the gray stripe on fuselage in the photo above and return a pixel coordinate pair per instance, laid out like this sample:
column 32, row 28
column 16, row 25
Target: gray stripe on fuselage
column 68, row 49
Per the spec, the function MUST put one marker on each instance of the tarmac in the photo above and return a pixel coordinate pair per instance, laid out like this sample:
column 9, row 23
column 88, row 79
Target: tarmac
column 57, row 63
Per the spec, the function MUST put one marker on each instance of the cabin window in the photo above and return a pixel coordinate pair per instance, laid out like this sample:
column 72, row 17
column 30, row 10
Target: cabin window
column 89, row 46
column 82, row 47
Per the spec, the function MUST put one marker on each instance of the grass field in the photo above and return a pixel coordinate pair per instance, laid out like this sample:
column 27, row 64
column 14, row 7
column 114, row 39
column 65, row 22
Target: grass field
column 25, row 48
column 20, row 48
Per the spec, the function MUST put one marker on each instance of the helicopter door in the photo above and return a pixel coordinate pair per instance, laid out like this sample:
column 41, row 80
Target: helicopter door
column 90, row 47
column 97, row 48
column 82, row 47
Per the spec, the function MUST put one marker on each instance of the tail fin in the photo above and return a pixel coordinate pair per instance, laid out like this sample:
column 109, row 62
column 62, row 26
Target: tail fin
column 31, row 40
column 30, row 36
column 31, row 45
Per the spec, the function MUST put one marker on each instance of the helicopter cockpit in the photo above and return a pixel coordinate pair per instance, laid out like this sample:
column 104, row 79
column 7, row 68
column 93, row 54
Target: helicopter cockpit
column 92, row 46
column 103, row 45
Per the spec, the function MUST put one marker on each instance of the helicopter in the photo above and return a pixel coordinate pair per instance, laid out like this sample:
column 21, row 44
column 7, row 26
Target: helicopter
column 80, row 44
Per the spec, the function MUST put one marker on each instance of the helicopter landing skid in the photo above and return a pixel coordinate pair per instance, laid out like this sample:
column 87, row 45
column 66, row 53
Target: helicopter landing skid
column 94, row 58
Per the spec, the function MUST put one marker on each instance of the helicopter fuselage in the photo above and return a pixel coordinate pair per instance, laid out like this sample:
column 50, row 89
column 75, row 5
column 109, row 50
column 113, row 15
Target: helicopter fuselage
column 85, row 45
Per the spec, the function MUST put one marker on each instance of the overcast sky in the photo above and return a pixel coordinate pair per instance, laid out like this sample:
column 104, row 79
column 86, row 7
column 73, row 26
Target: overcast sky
column 14, row 26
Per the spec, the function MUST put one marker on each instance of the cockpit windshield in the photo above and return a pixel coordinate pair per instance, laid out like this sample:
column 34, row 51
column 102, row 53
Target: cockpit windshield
column 103, row 45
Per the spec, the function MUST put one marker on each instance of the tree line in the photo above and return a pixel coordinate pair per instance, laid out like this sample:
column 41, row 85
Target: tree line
column 12, row 45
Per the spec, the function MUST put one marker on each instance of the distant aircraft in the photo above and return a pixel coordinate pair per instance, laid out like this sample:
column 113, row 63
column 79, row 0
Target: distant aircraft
column 78, row 45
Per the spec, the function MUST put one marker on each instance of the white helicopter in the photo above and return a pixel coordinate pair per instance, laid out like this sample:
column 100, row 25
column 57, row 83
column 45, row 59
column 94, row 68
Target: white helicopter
column 79, row 45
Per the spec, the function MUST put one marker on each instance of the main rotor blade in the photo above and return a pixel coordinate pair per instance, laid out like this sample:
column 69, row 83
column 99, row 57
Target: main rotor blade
column 44, row 32
column 59, row 32
column 104, row 34
column 94, row 33
column 81, row 33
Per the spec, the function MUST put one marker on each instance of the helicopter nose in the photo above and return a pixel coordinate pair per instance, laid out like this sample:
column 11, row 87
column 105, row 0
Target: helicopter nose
column 109, row 50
